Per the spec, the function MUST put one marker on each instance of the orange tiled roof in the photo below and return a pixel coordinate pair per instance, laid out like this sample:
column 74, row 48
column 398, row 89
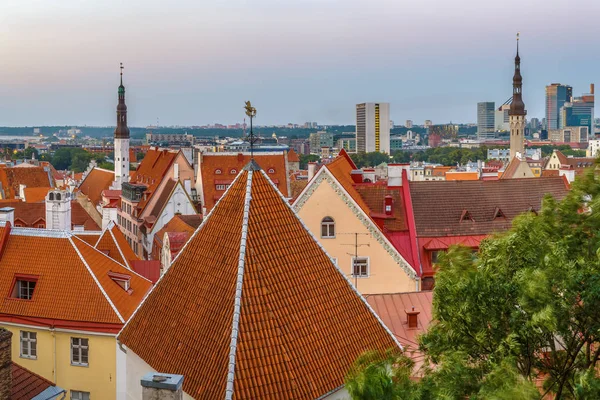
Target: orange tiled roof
column 179, row 223
column 293, row 156
column 152, row 169
column 211, row 163
column 12, row 177
column 36, row 194
column 113, row 243
column 90, row 239
column 95, row 182
column 301, row 323
column 26, row 384
column 73, row 282
column 30, row 215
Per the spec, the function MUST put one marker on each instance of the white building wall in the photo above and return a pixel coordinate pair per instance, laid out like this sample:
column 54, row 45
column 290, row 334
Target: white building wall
column 384, row 127
column 58, row 212
column 121, row 162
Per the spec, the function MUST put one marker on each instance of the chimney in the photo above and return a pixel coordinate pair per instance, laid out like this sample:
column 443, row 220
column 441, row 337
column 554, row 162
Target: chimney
column 240, row 157
column 412, row 318
column 591, row 88
column 7, row 214
column 388, row 201
column 357, row 175
column 176, row 172
column 157, row 386
column 395, row 174
column 5, row 364
column 312, row 168
column 22, row 191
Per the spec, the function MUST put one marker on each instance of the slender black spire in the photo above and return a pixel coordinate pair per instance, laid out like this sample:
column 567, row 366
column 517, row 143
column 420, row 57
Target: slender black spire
column 121, row 131
column 517, row 107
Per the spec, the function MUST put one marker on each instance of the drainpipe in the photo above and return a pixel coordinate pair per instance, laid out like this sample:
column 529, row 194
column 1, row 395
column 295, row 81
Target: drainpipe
column 54, row 353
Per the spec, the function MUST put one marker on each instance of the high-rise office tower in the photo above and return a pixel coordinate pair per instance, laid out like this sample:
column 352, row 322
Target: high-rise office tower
column 373, row 127
column 556, row 97
column 486, row 120
column 517, row 111
column 409, row 124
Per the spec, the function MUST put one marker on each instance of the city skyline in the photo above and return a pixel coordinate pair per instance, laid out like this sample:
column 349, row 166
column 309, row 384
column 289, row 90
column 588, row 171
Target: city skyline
column 195, row 64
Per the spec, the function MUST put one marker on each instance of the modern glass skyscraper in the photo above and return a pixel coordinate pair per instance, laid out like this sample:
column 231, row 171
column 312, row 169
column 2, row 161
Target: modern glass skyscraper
column 485, row 120
column 556, row 97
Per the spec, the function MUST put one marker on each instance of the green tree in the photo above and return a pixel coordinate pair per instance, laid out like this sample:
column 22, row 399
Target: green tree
column 306, row 158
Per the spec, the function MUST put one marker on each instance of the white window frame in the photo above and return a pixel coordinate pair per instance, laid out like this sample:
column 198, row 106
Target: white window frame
column 29, row 338
column 23, row 289
column 368, row 259
column 329, row 225
column 79, row 395
column 80, row 348
column 221, row 187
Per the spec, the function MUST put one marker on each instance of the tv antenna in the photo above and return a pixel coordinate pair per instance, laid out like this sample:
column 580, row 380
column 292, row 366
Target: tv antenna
column 355, row 254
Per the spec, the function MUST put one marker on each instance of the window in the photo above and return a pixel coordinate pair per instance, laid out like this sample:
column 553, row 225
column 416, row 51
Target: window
column 435, row 256
column 327, row 228
column 28, row 344
column 41, row 226
column 79, row 351
column 360, row 267
column 77, row 395
column 24, row 288
column 233, row 171
column 121, row 279
column 271, row 171
column 222, row 187
column 218, row 172
column 135, row 229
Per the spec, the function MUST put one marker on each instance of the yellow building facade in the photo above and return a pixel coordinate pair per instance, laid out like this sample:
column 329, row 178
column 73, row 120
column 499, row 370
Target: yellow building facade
column 53, row 360
column 355, row 235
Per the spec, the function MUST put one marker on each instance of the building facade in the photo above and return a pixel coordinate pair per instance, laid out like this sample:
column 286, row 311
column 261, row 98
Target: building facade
column 486, row 120
column 373, row 127
column 556, row 96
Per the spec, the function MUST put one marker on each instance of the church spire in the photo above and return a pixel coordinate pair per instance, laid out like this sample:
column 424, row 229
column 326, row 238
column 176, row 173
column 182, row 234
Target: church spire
column 121, row 131
column 517, row 106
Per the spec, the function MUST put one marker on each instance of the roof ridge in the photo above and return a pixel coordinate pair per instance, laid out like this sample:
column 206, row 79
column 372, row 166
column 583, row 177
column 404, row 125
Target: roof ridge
column 101, row 236
column 348, row 281
column 238, row 289
column 95, row 278
column 125, row 260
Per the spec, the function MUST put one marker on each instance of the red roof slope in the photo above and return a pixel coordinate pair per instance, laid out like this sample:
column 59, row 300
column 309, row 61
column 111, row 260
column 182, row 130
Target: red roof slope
column 113, row 243
column 222, row 168
column 12, row 177
column 301, row 323
column 95, row 182
column 73, row 282
column 36, row 194
column 447, row 208
column 152, row 169
column 26, row 384
column 185, row 224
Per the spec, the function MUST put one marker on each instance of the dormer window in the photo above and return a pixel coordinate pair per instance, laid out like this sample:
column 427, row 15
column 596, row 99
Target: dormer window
column 466, row 216
column 498, row 213
column 24, row 287
column 218, row 172
column 271, row 171
column 121, row 280
column 233, row 171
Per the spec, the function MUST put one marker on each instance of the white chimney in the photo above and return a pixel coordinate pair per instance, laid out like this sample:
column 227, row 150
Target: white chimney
column 58, row 210
column 7, row 214
column 312, row 168
column 157, row 386
column 22, row 191
column 395, row 173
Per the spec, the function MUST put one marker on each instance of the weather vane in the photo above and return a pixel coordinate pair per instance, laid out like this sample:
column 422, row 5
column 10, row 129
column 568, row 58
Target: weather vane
column 251, row 112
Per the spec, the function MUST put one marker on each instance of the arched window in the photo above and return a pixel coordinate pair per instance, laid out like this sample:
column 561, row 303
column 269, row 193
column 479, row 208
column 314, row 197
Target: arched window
column 51, row 196
column 271, row 171
column 327, row 228
column 217, row 172
column 233, row 171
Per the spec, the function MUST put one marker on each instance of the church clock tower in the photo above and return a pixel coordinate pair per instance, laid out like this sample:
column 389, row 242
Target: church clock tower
column 517, row 112
column 121, row 140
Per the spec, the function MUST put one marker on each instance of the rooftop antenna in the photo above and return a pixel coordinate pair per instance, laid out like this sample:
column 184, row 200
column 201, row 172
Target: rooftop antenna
column 121, row 67
column 251, row 112
column 355, row 254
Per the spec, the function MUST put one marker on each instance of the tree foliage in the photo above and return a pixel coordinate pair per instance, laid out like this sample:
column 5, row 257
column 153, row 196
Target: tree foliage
column 525, row 311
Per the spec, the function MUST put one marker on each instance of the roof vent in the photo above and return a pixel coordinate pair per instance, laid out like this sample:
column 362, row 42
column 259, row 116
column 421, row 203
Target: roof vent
column 412, row 318
column 466, row 216
column 498, row 213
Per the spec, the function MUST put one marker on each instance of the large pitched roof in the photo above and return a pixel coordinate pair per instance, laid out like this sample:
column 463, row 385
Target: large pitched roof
column 151, row 171
column 36, row 194
column 218, row 169
column 73, row 279
column 32, row 214
column 12, row 177
column 447, row 208
column 253, row 307
column 95, row 182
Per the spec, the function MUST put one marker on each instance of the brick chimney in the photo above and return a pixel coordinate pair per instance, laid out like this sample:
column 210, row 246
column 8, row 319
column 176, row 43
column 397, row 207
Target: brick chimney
column 157, row 386
column 387, row 205
column 412, row 318
column 357, row 175
column 5, row 364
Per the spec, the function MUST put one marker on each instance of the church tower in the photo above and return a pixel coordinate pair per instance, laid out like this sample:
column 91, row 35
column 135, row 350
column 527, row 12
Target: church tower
column 517, row 112
column 121, row 140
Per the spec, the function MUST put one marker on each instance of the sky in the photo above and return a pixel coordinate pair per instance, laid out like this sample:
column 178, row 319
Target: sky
column 195, row 62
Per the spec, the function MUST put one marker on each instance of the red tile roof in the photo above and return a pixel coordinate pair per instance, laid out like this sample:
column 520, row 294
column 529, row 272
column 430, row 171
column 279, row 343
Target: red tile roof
column 151, row 171
column 95, row 182
column 180, row 223
column 212, row 163
column 438, row 205
column 149, row 269
column 301, row 323
column 35, row 194
column 12, row 177
column 73, row 282
column 26, row 384
column 293, row 156
column 114, row 244
column 579, row 164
